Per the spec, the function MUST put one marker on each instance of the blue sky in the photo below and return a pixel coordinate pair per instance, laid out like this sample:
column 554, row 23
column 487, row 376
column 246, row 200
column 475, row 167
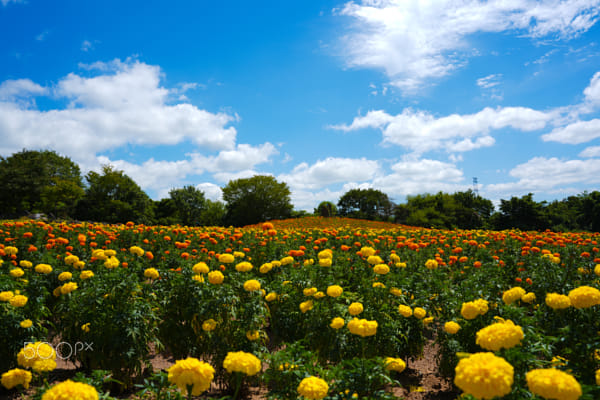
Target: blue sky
column 404, row 96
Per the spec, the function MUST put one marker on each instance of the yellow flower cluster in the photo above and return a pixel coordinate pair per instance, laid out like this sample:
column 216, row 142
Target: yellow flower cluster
column 484, row 376
column 26, row 323
column 313, row 388
column 502, row 334
column 151, row 273
column 65, row 276
column 451, row 327
column 473, row 309
column 71, row 390
column 306, row 306
column 512, row 295
column 394, row 364
column 243, row 362
column 216, row 277
column 251, row 285
column 200, row 268
column 191, row 372
column 17, row 272
column 552, row 383
column 310, row 291
column 528, row 298
column 287, row 260
column 138, row 251
column 431, row 264
column 252, row 335
column 68, row 287
column 367, row 251
column 6, row 295
column 87, row 274
column 419, row 313
column 226, row 258
column 43, row 268
column 244, row 266
column 374, row 260
column 405, row 310
column 355, row 308
column 209, row 325
column 111, row 262
column 15, row 377
column 18, row 300
column 265, row 268
column 557, row 301
column 38, row 356
column 584, row 297
column 362, row 327
column 337, row 323
column 334, row 291
column 381, row 269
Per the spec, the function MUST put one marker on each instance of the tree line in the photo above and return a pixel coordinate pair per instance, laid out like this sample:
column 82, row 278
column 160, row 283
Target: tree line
column 44, row 182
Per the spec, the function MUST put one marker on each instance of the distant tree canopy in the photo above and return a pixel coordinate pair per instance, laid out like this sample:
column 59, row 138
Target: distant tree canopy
column 253, row 200
column 366, row 204
column 189, row 204
column 39, row 181
column 326, row 209
column 114, row 197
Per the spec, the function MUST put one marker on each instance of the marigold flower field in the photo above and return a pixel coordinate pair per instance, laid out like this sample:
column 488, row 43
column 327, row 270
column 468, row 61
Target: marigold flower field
column 307, row 308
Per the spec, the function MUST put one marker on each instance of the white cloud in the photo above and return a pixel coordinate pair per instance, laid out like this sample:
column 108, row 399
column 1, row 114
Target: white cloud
column 489, row 81
column 575, row 133
column 329, row 171
column 211, row 191
column 20, row 88
column 123, row 104
column 244, row 157
column 231, row 176
column 415, row 40
column 592, row 92
column 420, row 131
column 589, row 152
column 86, row 45
column 549, row 175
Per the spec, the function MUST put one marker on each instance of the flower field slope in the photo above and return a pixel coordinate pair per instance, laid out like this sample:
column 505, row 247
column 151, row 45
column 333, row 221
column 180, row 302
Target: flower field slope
column 303, row 308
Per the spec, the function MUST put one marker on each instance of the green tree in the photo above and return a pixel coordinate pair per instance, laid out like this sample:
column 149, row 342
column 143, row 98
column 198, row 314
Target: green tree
column 39, row 181
column 520, row 213
column 189, row 203
column 326, row 209
column 366, row 204
column 472, row 210
column 165, row 212
column 213, row 213
column 114, row 197
column 256, row 199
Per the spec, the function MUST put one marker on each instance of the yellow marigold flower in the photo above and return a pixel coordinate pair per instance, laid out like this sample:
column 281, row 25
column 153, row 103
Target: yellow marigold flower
column 16, row 377
column 419, row 313
column 252, row 335
column 43, row 268
column 484, row 376
column 99, row 254
column 327, row 253
column 18, row 301
column 6, row 295
column 251, row 285
column 111, row 262
column 287, row 260
column 138, row 251
column 72, row 259
column 405, row 311
column 265, row 268
column 598, row 374
column 17, row 272
column 381, row 269
column 244, row 266
column 209, row 325
column 215, row 277
column 451, row 327
column 35, row 352
column 313, row 388
column 271, row 296
column 400, row 265
column 362, row 327
column 308, row 262
column 395, row 258
column 355, row 308
column 557, row 301
column 306, row 306
column 68, row 287
column 374, row 260
column 584, row 297
column 378, row 285
column 198, row 278
column 473, row 309
column 552, row 383
column 367, row 251
column 25, row 264
column 431, row 264
column 337, row 323
column 243, row 362
column 10, row 250
column 65, row 276
column 110, row 253
column 334, row 291
column 502, row 334
column 482, row 305
column 86, row 275
column 191, row 372
column 528, row 298
column 79, row 265
column 151, row 273
column 325, row 262
column 85, row 327
column 597, row 269
column 45, row 365
column 396, row 291
column 71, row 390
column 513, row 294
column 226, row 258
column 309, row 291
column 26, row 323
column 319, row 295
column 428, row 320
column 239, row 254
column 200, row 268
column 395, row 364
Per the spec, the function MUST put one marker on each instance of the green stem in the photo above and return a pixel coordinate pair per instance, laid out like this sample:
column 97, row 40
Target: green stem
column 238, row 384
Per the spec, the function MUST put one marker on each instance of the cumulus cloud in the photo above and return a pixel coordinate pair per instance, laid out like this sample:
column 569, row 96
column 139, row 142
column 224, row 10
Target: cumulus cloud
column 330, row 171
column 415, row 40
column 575, row 133
column 123, row 103
column 489, row 81
column 589, row 152
column 420, row 131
